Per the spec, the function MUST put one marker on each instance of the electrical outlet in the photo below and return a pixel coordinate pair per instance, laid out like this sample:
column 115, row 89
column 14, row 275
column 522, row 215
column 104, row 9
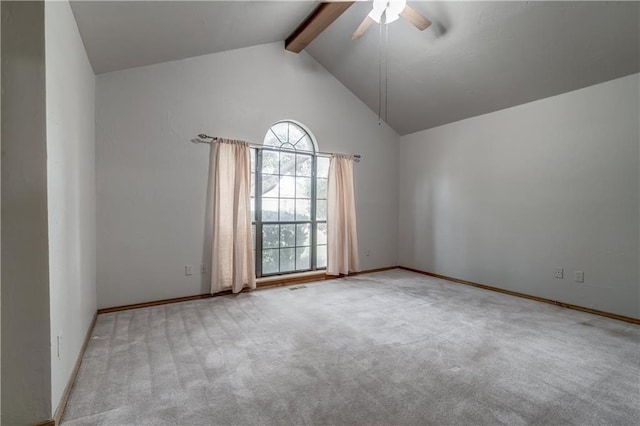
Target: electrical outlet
column 203, row 269
column 187, row 270
column 579, row 276
column 559, row 273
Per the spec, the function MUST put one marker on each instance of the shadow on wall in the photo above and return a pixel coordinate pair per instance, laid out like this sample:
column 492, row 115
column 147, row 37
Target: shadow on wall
column 428, row 227
column 421, row 239
column 205, row 280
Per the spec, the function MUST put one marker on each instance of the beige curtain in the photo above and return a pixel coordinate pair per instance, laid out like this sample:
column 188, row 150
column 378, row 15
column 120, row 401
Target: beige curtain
column 232, row 265
column 342, row 240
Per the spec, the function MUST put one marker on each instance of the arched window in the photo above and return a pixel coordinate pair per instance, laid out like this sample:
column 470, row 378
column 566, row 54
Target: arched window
column 290, row 136
column 289, row 200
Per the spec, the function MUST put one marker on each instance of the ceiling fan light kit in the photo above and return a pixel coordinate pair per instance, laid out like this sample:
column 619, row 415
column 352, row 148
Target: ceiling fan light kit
column 388, row 11
column 390, row 8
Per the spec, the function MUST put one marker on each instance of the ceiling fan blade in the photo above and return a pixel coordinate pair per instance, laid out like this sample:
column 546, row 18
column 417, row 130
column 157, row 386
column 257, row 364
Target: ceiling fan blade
column 413, row 16
column 362, row 28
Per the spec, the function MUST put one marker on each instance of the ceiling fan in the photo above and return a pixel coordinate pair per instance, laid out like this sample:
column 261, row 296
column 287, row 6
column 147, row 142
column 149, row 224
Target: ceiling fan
column 387, row 11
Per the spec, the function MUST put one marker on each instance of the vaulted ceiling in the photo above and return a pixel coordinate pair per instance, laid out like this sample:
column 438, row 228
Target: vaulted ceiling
column 126, row 34
column 477, row 57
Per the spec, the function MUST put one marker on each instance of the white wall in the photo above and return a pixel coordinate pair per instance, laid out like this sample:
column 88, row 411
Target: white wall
column 71, row 190
column 152, row 181
column 26, row 374
column 505, row 198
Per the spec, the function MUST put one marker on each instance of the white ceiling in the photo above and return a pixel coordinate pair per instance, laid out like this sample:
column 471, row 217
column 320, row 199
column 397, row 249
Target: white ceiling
column 478, row 57
column 126, row 34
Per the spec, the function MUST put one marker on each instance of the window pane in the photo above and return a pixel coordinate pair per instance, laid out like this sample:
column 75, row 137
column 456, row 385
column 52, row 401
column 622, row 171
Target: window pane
column 303, row 187
column 252, row 190
column 252, row 153
column 253, row 237
column 322, row 257
column 281, row 130
column 270, row 162
column 323, row 167
column 303, row 234
column 321, row 235
column 252, row 203
column 270, row 139
column 287, row 235
column 303, row 259
column 321, row 188
column 287, row 259
column 287, row 209
column 303, row 165
column 321, row 210
column 287, row 187
column 295, row 133
column 270, row 186
column 287, row 163
column 305, row 144
column 270, row 261
column 270, row 236
column 269, row 209
column 303, row 210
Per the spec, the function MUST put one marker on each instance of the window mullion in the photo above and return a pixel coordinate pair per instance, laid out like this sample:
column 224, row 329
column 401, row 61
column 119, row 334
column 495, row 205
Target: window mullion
column 258, row 203
column 314, row 223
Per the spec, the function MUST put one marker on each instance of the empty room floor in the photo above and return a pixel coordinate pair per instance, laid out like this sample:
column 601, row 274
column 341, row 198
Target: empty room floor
column 388, row 348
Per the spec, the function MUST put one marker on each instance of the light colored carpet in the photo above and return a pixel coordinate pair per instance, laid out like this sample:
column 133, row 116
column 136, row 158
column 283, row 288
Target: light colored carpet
column 390, row 348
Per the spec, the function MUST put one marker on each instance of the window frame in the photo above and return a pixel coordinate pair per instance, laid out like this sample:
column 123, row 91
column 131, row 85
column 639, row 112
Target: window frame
column 257, row 221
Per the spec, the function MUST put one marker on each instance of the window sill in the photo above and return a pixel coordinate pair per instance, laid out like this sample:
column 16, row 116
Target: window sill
column 296, row 278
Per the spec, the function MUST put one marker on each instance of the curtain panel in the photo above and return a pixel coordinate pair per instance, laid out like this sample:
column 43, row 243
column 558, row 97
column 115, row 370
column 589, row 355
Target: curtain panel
column 342, row 239
column 232, row 263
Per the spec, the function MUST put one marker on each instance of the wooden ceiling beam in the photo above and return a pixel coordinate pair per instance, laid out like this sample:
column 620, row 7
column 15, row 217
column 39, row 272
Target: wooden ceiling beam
column 318, row 21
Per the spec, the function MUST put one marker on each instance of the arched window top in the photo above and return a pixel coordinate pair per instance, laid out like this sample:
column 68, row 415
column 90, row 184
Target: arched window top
column 291, row 136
